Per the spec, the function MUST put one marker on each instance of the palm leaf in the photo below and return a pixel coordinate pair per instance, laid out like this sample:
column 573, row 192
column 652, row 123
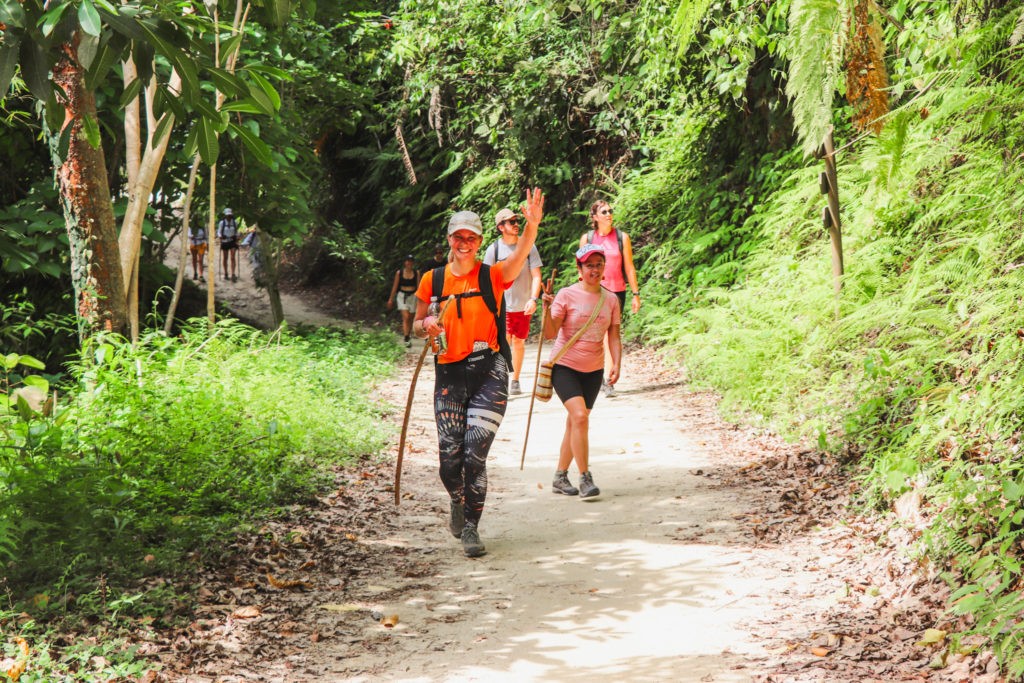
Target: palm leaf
column 817, row 40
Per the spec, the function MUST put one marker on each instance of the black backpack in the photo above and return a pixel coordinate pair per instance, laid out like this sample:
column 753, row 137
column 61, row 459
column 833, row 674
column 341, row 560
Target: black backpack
column 618, row 238
column 487, row 292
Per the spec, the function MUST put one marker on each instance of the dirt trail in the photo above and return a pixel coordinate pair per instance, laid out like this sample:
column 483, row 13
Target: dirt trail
column 716, row 552
column 661, row 578
column 248, row 302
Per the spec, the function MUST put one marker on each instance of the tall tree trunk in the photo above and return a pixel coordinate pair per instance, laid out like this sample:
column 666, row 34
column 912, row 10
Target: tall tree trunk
column 213, row 251
column 186, row 221
column 85, row 195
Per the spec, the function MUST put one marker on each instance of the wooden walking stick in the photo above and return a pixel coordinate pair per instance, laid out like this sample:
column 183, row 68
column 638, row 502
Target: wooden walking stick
column 536, row 374
column 408, row 407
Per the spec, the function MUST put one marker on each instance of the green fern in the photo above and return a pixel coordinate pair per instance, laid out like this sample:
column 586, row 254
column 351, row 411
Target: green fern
column 818, row 35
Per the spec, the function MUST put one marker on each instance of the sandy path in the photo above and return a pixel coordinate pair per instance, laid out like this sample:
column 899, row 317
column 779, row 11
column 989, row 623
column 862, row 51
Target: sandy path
column 248, row 302
column 653, row 581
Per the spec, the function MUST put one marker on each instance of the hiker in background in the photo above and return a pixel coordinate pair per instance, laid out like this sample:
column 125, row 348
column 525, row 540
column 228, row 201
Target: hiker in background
column 197, row 248
column 403, row 292
column 471, row 368
column 619, row 269
column 254, row 244
column 578, row 370
column 521, row 297
column 227, row 234
column 440, row 258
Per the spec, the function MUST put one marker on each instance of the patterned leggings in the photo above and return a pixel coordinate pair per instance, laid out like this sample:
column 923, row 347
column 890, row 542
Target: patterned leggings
column 470, row 398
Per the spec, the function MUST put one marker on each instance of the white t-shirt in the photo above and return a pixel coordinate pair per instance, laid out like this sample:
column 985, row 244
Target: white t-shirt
column 519, row 293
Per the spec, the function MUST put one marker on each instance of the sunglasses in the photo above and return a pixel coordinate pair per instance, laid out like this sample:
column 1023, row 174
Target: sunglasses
column 605, row 212
column 512, row 221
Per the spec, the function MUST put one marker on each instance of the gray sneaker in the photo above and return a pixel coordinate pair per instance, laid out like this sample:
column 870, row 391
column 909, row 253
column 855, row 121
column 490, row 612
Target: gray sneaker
column 587, row 487
column 561, row 484
column 471, row 543
column 514, row 389
column 609, row 390
column 457, row 520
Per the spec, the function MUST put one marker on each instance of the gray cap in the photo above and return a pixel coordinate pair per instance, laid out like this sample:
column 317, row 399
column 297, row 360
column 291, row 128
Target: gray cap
column 465, row 220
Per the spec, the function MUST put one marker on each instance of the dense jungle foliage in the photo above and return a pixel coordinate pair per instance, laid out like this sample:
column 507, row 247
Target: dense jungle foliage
column 699, row 121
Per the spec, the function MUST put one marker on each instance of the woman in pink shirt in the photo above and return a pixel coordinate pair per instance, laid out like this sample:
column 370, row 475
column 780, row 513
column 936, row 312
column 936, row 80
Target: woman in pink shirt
column 619, row 270
column 577, row 374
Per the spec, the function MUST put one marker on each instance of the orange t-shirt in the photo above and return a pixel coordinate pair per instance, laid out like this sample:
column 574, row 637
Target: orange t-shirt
column 477, row 322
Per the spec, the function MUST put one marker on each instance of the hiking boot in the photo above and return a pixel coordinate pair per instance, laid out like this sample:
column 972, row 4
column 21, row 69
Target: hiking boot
column 587, row 488
column 457, row 519
column 609, row 390
column 234, row 278
column 408, row 342
column 471, row 543
column 562, row 485
column 514, row 389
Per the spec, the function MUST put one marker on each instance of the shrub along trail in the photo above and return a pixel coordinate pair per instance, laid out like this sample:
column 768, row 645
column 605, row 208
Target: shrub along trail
column 715, row 553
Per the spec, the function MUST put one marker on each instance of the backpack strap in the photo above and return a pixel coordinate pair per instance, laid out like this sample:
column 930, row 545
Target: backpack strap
column 487, row 294
column 492, row 251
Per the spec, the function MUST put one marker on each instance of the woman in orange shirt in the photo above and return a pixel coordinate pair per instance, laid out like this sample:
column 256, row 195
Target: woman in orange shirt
column 471, row 385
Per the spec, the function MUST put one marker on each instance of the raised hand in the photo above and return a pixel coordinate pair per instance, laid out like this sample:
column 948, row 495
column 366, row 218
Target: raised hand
column 534, row 208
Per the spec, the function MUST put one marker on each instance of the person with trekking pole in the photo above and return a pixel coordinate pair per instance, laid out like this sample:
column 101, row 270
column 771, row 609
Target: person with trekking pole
column 471, row 366
column 579, row 318
column 620, row 271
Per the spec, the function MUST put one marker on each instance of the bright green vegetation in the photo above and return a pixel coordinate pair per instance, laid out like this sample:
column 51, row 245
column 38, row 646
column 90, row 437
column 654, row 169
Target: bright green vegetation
column 696, row 120
column 914, row 376
column 153, row 452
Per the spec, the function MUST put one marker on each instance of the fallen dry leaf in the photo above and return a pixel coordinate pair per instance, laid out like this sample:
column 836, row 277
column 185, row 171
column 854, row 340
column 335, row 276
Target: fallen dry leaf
column 351, row 537
column 820, row 651
column 389, row 621
column 279, row 583
column 932, row 636
column 247, row 612
column 348, row 607
column 540, row 486
column 14, row 672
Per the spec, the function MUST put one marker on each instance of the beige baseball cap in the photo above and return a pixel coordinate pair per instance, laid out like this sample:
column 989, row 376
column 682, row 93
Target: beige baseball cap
column 465, row 220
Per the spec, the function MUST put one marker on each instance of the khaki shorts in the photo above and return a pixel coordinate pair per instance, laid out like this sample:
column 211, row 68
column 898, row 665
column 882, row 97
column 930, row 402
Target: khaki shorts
column 406, row 301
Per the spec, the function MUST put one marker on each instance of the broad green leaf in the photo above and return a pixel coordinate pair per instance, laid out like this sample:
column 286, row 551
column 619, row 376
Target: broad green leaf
column 35, row 69
column 92, row 131
column 87, row 49
column 89, row 18
column 24, row 409
column 8, row 63
column 259, row 148
column 50, row 20
column 106, row 57
column 130, row 93
column 271, row 71
column 230, row 45
column 36, row 381
column 192, row 141
column 227, row 82
column 11, row 361
column 268, row 89
column 246, row 106
column 12, row 14
column 163, row 127
column 209, row 147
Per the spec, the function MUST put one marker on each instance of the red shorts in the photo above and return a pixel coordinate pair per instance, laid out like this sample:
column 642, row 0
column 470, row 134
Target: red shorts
column 517, row 324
